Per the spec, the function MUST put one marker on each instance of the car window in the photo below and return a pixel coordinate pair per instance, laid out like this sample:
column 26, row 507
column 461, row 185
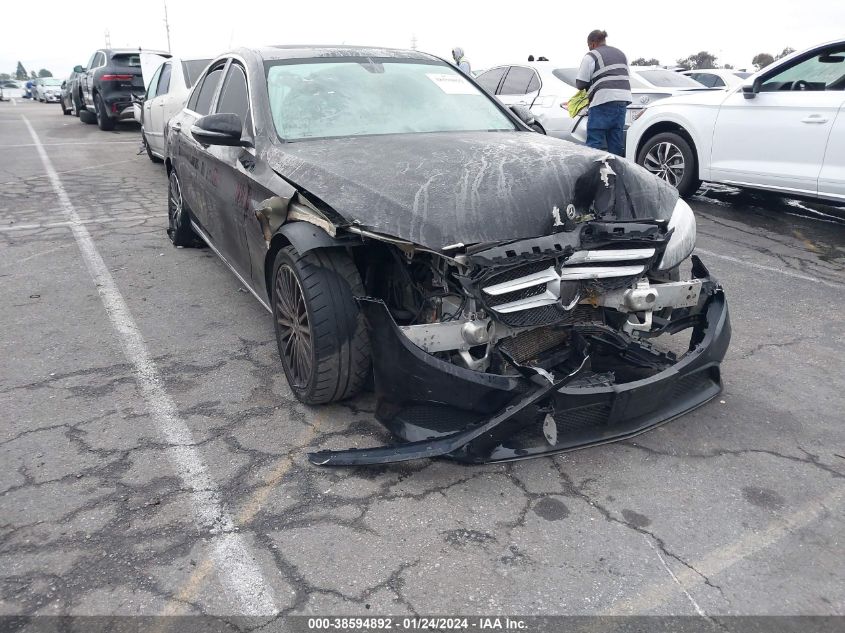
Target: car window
column 825, row 71
column 368, row 96
column 490, row 80
column 132, row 60
column 151, row 89
column 742, row 75
column 668, row 79
column 534, row 84
column 203, row 94
column 164, row 80
column 707, row 79
column 100, row 61
column 192, row 68
column 516, row 81
column 92, row 60
column 234, row 98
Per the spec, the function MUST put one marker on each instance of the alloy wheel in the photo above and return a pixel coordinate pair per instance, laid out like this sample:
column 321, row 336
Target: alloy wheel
column 174, row 202
column 665, row 160
column 294, row 327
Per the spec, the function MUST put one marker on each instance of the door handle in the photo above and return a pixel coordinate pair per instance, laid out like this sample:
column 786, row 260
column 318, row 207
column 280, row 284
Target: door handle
column 177, row 127
column 814, row 118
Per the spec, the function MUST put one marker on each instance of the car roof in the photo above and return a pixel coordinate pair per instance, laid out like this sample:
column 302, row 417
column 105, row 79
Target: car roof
column 136, row 51
column 281, row 52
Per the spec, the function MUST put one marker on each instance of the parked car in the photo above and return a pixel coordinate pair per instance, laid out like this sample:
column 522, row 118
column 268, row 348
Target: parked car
column 783, row 130
column 166, row 95
column 107, row 84
column 546, row 91
column 47, row 89
column 69, row 95
column 718, row 77
column 392, row 215
column 10, row 89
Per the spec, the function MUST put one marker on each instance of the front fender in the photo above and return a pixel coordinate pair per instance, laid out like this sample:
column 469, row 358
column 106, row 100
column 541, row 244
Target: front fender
column 304, row 236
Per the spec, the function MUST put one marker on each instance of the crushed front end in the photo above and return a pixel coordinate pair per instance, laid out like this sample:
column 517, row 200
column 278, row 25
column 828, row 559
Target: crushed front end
column 496, row 352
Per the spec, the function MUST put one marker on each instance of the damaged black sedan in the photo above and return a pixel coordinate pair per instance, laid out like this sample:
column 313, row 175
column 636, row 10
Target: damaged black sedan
column 505, row 292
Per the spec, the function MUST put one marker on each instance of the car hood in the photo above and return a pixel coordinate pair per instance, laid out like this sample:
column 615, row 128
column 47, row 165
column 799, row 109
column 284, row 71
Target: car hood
column 446, row 188
column 708, row 97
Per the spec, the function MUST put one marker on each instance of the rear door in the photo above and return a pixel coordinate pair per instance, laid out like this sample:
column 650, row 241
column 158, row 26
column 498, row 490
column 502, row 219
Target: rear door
column 191, row 160
column 147, row 119
column 228, row 194
column 155, row 136
column 98, row 60
column 778, row 139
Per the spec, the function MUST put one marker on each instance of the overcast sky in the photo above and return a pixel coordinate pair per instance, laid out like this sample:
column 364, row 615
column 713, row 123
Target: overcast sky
column 58, row 35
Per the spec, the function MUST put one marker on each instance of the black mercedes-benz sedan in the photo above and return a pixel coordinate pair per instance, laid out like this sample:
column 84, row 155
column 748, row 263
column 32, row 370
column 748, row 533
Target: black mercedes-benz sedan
column 506, row 294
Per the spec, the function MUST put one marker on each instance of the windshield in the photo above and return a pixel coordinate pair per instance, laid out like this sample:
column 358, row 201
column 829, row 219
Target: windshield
column 358, row 97
column 52, row 82
column 742, row 75
column 668, row 79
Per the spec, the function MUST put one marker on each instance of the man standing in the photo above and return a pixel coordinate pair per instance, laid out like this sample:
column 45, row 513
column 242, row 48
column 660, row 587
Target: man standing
column 604, row 75
column 461, row 61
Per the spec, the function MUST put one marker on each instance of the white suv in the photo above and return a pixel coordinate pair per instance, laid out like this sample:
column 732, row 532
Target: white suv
column 783, row 130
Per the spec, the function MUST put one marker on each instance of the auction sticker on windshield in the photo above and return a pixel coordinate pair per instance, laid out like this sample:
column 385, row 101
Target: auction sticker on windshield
column 452, row 84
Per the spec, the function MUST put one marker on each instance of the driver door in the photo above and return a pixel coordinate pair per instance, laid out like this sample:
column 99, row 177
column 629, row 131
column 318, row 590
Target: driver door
column 777, row 139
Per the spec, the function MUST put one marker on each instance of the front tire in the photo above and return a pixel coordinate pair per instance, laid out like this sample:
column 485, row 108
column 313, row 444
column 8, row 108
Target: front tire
column 179, row 228
column 322, row 339
column 104, row 122
column 669, row 157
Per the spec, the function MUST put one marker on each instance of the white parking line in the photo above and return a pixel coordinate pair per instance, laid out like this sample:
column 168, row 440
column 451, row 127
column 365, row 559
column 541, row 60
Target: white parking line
column 71, row 143
column 233, row 558
column 52, row 225
column 780, row 271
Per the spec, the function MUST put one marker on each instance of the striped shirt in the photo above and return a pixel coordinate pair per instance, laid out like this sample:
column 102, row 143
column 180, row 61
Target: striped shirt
column 604, row 73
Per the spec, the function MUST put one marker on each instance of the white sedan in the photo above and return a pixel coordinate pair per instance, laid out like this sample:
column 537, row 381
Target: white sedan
column 167, row 93
column 783, row 130
column 546, row 90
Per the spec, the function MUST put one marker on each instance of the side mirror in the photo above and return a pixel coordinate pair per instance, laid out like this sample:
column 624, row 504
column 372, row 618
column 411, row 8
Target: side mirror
column 523, row 113
column 78, row 69
column 749, row 91
column 219, row 129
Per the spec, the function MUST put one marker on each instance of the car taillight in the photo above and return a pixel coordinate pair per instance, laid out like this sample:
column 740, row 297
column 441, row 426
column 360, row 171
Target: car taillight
column 116, row 78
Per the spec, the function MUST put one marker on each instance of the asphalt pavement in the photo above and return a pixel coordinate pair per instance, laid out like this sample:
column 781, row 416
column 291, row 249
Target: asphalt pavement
column 152, row 457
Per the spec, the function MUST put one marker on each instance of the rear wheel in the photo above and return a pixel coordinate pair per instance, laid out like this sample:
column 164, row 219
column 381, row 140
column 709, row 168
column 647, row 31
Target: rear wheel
column 323, row 341
column 669, row 157
column 179, row 228
column 104, row 122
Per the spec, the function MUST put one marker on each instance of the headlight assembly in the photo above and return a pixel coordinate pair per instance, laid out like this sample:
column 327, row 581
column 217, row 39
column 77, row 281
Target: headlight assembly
column 682, row 224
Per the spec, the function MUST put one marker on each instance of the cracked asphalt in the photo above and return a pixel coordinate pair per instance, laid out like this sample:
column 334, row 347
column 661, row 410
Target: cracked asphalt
column 736, row 508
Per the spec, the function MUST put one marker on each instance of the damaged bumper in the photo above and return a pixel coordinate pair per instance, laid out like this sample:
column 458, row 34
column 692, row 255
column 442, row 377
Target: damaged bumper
column 610, row 388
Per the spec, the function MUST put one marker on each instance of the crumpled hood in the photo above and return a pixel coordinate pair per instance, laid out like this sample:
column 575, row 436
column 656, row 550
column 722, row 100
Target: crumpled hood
column 468, row 187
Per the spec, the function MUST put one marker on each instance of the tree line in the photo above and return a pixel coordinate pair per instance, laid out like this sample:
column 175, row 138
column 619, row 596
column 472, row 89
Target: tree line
column 705, row 59
column 21, row 75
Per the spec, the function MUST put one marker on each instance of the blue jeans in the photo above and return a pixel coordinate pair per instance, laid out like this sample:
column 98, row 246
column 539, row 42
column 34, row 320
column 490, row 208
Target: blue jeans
column 605, row 124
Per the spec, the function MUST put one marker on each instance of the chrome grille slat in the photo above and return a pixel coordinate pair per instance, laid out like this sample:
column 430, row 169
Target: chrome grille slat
column 600, row 272
column 616, row 255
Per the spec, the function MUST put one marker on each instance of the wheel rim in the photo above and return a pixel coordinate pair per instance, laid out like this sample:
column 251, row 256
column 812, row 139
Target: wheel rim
column 666, row 160
column 294, row 327
column 174, row 201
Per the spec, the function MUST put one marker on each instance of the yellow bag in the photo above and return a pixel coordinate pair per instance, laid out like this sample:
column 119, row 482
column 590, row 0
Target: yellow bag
column 577, row 103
